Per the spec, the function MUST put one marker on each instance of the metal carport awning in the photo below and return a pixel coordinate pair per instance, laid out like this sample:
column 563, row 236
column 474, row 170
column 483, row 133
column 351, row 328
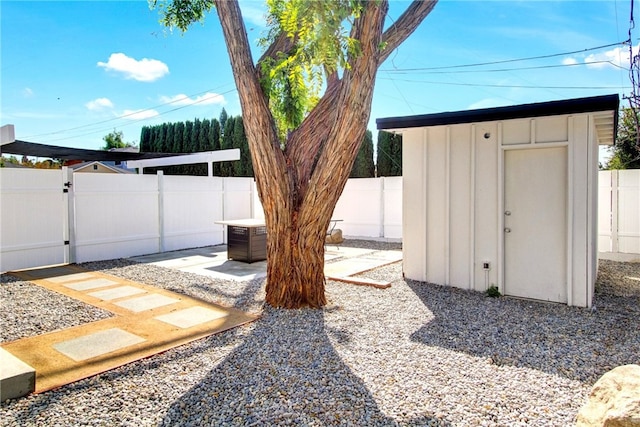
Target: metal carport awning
column 9, row 145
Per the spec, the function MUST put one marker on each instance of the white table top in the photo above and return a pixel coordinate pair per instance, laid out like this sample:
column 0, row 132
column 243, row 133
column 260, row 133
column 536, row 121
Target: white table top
column 250, row 222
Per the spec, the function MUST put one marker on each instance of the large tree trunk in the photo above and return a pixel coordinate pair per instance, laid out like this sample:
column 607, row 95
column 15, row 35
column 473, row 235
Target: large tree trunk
column 300, row 185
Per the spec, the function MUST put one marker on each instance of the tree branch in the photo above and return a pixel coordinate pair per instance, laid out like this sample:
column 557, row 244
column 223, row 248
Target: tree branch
column 282, row 43
column 268, row 160
column 405, row 26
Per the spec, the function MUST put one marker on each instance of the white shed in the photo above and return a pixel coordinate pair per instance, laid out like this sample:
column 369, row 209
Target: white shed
column 505, row 196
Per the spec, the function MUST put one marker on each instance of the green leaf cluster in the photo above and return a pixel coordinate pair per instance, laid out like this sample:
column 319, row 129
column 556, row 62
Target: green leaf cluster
column 626, row 150
column 181, row 13
column 319, row 32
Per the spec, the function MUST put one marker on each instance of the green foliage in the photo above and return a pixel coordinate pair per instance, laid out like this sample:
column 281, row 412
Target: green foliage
column 389, row 158
column 319, row 32
column 493, row 291
column 181, row 13
column 26, row 162
column 115, row 139
column 292, row 81
column 626, row 150
column 226, row 142
column 182, row 137
column 363, row 166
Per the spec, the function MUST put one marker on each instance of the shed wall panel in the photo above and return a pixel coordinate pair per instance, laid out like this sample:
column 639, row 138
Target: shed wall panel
column 414, row 196
column 551, row 129
column 437, row 220
column 579, row 209
column 461, row 236
column 486, row 205
column 516, row 132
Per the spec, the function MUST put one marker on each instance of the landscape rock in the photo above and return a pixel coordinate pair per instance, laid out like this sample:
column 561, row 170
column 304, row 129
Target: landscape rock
column 614, row 400
column 335, row 237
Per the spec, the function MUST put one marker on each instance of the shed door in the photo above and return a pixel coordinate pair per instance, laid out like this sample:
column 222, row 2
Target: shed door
column 535, row 234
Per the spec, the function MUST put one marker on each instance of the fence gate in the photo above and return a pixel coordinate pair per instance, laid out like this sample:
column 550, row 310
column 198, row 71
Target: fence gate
column 34, row 217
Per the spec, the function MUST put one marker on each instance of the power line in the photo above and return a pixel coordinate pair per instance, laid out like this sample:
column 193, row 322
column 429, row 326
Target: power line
column 132, row 114
column 496, row 70
column 509, row 86
column 138, row 120
column 506, row 61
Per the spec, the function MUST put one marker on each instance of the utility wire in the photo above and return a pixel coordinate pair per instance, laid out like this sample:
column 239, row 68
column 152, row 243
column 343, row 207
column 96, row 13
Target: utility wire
column 137, row 120
column 134, row 113
column 506, row 61
column 496, row 70
column 508, row 86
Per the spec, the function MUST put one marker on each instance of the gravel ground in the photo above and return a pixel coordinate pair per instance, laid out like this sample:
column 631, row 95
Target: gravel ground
column 413, row 354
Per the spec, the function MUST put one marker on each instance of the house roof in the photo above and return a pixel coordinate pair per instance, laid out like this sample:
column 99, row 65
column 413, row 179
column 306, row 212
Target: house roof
column 33, row 149
column 606, row 123
column 79, row 166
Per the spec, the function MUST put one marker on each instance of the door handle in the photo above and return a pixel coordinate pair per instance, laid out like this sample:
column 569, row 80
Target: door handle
column 507, row 230
column 507, row 213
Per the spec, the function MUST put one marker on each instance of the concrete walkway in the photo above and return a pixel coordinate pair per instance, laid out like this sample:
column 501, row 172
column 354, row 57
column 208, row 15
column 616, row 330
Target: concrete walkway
column 212, row 261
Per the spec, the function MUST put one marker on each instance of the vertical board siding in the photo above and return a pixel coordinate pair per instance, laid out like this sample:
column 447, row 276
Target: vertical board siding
column 460, row 210
column 486, row 205
column 414, row 202
column 437, row 208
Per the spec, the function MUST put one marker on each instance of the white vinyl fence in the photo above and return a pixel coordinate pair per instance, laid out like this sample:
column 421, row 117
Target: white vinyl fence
column 55, row 216
column 619, row 211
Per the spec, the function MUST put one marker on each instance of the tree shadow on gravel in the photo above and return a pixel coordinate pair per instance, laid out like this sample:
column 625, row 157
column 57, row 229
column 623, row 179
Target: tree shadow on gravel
column 286, row 372
column 577, row 343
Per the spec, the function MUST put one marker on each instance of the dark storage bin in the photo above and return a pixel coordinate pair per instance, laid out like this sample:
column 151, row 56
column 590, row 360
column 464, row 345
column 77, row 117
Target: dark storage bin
column 246, row 244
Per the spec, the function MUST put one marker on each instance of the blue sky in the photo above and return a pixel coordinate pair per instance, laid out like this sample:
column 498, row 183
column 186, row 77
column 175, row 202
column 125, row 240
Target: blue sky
column 71, row 72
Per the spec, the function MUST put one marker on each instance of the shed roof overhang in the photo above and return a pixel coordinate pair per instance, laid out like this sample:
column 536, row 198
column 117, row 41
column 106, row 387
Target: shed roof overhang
column 604, row 109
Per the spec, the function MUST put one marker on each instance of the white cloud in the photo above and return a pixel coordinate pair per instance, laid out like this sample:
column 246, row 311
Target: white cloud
column 616, row 57
column 138, row 114
column 208, row 98
column 99, row 104
column 27, row 92
column 144, row 70
column 486, row 103
column 254, row 14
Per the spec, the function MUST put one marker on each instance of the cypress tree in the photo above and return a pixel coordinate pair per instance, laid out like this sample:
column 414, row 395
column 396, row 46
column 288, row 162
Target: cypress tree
column 226, row 142
column 214, row 143
column 243, row 167
column 195, row 135
column 203, row 135
column 363, row 166
column 389, row 159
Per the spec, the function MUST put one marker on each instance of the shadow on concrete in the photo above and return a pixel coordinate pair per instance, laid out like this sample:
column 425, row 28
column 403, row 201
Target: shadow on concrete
column 552, row 338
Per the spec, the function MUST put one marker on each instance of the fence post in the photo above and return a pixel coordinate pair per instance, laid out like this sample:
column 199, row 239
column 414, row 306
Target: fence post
column 69, row 226
column 381, row 189
column 161, row 243
column 614, row 211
